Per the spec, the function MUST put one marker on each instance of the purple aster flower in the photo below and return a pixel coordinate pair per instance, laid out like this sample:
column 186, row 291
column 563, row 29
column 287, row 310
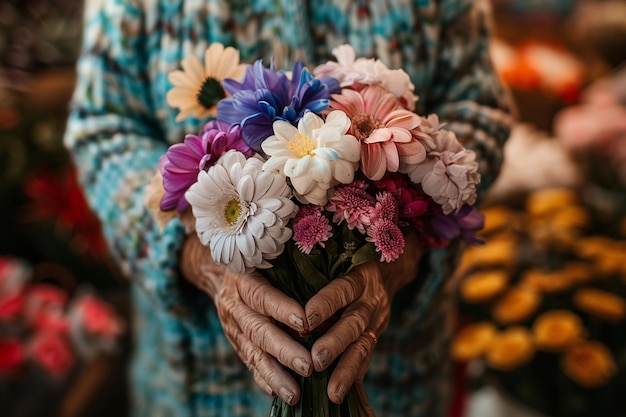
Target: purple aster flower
column 266, row 95
column 463, row 224
column 182, row 162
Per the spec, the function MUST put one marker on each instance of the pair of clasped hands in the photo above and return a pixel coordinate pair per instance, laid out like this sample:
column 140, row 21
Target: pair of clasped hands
column 249, row 307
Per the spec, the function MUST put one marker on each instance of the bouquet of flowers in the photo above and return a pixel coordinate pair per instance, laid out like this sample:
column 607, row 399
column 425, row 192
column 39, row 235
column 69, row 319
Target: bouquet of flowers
column 303, row 175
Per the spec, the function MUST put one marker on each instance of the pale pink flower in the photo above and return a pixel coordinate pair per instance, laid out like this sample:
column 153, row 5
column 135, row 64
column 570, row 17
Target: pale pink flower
column 387, row 238
column 449, row 174
column 311, row 230
column 359, row 72
column 353, row 205
column 383, row 128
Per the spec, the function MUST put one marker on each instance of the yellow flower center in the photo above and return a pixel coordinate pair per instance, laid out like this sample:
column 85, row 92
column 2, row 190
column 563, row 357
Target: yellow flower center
column 302, row 145
column 232, row 211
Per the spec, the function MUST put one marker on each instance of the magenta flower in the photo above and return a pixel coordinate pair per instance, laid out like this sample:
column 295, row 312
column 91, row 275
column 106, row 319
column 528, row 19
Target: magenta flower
column 352, row 204
column 311, row 230
column 388, row 239
column 182, row 162
column 411, row 199
column 383, row 127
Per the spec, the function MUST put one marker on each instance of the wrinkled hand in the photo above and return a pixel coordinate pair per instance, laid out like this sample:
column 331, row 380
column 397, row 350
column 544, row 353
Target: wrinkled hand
column 366, row 293
column 247, row 306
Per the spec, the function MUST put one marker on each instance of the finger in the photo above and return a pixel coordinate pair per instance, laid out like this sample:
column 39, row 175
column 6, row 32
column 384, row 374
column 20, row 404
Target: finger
column 263, row 297
column 346, row 331
column 349, row 368
column 336, row 295
column 267, row 373
column 271, row 339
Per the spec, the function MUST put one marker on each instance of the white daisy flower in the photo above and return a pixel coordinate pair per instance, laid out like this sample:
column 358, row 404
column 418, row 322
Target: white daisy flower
column 198, row 88
column 315, row 156
column 241, row 212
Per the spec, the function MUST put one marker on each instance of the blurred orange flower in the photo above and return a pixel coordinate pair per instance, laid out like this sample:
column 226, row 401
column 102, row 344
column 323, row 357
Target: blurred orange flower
column 472, row 341
column 482, row 286
column 516, row 305
column 510, row 349
column 601, row 303
column 556, row 330
column 589, row 364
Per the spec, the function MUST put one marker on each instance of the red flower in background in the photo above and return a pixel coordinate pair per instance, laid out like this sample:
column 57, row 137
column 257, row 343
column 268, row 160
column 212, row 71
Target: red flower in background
column 45, row 308
column 52, row 352
column 97, row 317
column 11, row 307
column 11, row 356
column 60, row 198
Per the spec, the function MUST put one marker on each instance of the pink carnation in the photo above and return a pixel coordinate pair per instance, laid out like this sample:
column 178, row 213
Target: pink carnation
column 353, row 205
column 388, row 239
column 311, row 230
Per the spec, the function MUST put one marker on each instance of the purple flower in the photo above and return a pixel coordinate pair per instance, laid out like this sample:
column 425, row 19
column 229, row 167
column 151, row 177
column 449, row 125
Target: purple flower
column 182, row 162
column 266, row 95
column 464, row 224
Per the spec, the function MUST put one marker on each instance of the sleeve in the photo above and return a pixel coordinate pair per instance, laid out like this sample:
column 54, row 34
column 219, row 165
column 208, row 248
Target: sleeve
column 467, row 93
column 116, row 143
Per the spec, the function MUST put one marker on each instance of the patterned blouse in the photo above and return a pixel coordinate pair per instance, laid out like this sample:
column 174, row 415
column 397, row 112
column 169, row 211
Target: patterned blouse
column 120, row 125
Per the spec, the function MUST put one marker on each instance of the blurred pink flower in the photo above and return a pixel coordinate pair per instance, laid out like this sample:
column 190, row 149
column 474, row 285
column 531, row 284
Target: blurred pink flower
column 97, row 317
column 388, row 239
column 11, row 356
column 352, row 204
column 11, row 308
column 383, row 127
column 52, row 352
column 311, row 230
column 45, row 308
column 14, row 274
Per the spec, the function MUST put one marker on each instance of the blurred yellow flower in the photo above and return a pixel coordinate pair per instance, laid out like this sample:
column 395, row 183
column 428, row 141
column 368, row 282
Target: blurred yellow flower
column 497, row 218
column 577, row 272
column 556, row 330
column 589, row 364
column 483, row 285
column 472, row 341
column 517, row 305
column 498, row 251
column 600, row 303
column 545, row 281
column 510, row 349
column 549, row 200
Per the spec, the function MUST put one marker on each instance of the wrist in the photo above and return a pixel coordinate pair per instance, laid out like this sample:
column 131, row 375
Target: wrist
column 197, row 266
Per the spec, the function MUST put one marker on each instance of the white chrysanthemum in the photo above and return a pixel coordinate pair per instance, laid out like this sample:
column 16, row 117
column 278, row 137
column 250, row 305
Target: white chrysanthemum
column 241, row 212
column 315, row 156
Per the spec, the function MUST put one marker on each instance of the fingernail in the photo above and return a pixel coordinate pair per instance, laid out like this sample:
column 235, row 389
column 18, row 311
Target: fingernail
column 313, row 320
column 286, row 395
column 322, row 358
column 303, row 366
column 341, row 392
column 269, row 391
column 297, row 321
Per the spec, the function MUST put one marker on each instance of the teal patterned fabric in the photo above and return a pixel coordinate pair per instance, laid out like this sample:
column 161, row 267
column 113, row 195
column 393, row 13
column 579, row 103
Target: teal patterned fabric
column 120, row 125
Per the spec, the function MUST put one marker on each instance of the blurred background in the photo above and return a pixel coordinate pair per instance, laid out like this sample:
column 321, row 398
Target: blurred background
column 542, row 304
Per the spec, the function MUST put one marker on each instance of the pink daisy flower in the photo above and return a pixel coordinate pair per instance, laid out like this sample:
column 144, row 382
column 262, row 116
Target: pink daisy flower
column 388, row 239
column 383, row 127
column 352, row 204
column 311, row 230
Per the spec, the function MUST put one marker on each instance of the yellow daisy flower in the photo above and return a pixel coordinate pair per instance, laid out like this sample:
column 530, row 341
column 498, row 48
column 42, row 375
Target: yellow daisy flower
column 197, row 88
